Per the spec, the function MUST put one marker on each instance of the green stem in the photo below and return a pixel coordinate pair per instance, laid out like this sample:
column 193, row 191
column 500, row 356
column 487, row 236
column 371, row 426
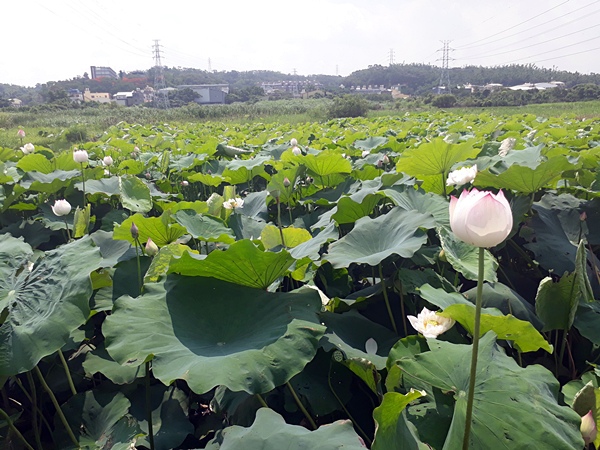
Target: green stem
column 61, row 415
column 139, row 267
column 36, row 409
column 14, row 429
column 83, row 182
column 149, row 407
column 66, row 366
column 68, row 233
column 261, row 400
column 301, row 406
column 475, row 350
column 444, row 178
column 402, row 311
column 32, row 400
column 387, row 300
column 279, row 222
column 360, row 430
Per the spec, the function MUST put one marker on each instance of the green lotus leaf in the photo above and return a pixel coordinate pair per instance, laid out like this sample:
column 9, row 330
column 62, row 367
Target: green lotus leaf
column 100, row 421
column 371, row 143
column 373, row 240
column 208, row 179
column 49, row 183
column 521, row 332
column 465, row 257
column 106, row 186
column 349, row 210
column 131, row 167
column 209, row 332
column 271, row 237
column 157, row 228
column 99, row 361
column 242, row 263
column 204, row 227
column 42, row 307
column 135, row 194
column 511, row 405
column 392, row 430
column 35, row 162
column 434, row 158
column 270, row 432
column 312, row 247
column 524, row 179
column 409, row 199
column 327, row 163
column 170, row 422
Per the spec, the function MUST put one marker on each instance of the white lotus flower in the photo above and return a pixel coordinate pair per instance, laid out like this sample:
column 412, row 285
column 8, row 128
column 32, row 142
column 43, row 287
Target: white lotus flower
column 151, row 248
column 481, row 218
column 294, row 142
column 185, row 183
column 107, row 161
column 61, row 208
column 296, row 151
column 430, row 324
column 365, row 153
column 588, row 428
column 461, row 176
column 506, row 146
column 80, row 156
column 233, row 203
column 28, row 148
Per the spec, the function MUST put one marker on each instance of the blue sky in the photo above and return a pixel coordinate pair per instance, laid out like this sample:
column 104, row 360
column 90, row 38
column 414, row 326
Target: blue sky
column 56, row 40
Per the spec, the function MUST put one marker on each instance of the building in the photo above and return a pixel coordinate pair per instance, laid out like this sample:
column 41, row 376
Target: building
column 99, row 97
column 129, row 98
column 295, row 88
column 103, row 72
column 75, row 95
column 208, row 94
column 538, row 86
column 15, row 102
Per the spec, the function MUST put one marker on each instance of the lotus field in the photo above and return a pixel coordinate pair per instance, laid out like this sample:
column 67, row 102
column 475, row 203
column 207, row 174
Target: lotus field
column 429, row 281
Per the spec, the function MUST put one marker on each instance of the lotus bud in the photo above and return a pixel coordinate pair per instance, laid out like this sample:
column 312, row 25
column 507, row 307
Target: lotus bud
column 286, row 182
column 481, row 218
column 507, row 145
column 380, row 164
column 365, row 153
column 80, row 156
column 461, row 176
column 296, row 151
column 107, row 172
column 21, row 133
column 28, row 148
column 371, row 346
column 136, row 149
column 385, row 159
column 151, row 248
column 107, row 161
column 588, row 428
column 61, row 208
column 294, row 142
column 185, row 183
column 583, row 216
column 135, row 232
column 148, row 176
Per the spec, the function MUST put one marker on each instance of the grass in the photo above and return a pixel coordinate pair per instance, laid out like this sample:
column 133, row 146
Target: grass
column 55, row 127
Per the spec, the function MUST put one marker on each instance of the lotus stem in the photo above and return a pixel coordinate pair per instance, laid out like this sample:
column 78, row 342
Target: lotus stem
column 32, row 400
column 279, row 222
column 67, row 371
column 360, row 430
column 67, row 227
column 139, row 267
column 475, row 350
column 61, row 415
column 14, row 429
column 261, row 400
column 387, row 300
column 402, row 311
column 149, row 407
column 83, row 183
column 301, row 406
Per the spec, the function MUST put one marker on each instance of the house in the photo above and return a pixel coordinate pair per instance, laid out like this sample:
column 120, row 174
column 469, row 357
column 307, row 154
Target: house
column 129, row 98
column 15, row 102
column 208, row 94
column 99, row 97
column 75, row 95
column 539, row 86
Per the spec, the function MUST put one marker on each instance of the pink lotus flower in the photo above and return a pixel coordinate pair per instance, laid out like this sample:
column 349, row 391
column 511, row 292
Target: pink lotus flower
column 481, row 218
column 21, row 133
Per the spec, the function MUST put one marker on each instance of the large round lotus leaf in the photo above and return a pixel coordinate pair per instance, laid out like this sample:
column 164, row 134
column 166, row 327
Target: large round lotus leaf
column 372, row 240
column 209, row 333
column 242, row 263
column 270, row 432
column 514, row 407
column 45, row 304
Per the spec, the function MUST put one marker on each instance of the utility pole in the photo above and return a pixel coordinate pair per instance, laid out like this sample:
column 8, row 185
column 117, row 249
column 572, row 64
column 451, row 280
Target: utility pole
column 391, row 56
column 444, row 83
column 161, row 97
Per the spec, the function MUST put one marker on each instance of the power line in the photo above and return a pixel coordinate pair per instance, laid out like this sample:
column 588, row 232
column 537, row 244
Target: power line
column 444, row 84
column 555, row 49
column 468, row 46
column 517, row 25
column 531, row 45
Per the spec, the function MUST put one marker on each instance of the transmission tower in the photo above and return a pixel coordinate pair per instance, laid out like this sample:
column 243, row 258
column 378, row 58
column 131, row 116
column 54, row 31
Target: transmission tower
column 444, row 84
column 161, row 97
column 391, row 56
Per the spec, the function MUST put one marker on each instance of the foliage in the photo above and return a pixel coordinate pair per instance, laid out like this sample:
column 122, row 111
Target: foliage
column 282, row 321
column 348, row 106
